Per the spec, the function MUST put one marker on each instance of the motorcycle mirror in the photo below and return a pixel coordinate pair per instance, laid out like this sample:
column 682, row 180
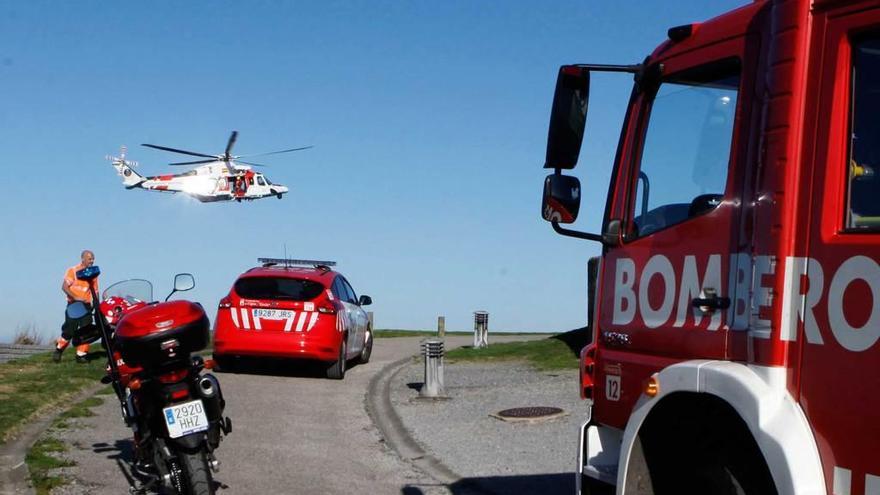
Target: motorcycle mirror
column 184, row 281
column 77, row 310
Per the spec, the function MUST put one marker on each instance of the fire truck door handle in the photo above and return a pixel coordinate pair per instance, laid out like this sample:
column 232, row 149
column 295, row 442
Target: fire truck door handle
column 710, row 304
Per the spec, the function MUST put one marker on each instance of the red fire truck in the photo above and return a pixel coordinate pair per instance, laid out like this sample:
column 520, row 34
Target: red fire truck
column 736, row 310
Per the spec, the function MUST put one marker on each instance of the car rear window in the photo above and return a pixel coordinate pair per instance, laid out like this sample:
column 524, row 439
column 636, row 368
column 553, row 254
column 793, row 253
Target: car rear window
column 290, row 289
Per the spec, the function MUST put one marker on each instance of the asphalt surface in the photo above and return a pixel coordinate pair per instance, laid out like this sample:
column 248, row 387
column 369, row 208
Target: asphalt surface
column 536, row 457
column 9, row 352
column 296, row 432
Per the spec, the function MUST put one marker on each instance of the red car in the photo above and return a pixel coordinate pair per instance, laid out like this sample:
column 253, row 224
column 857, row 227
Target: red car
column 293, row 309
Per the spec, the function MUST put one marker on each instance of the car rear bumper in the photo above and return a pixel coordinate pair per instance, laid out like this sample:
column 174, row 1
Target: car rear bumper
column 322, row 346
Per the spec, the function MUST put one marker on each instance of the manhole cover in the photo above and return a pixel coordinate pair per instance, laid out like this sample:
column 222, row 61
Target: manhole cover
column 531, row 413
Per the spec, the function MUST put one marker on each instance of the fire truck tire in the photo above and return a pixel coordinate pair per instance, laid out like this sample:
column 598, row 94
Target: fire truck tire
column 198, row 475
column 590, row 486
column 364, row 358
column 699, row 445
column 336, row 371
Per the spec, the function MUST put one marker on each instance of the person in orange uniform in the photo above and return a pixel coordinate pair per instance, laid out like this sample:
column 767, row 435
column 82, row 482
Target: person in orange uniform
column 76, row 290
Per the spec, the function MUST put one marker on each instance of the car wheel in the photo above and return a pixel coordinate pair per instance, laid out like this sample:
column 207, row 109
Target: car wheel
column 336, row 371
column 225, row 364
column 364, row 358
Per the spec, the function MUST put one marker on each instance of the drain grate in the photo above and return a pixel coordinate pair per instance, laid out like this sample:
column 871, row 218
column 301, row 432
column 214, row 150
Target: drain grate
column 531, row 413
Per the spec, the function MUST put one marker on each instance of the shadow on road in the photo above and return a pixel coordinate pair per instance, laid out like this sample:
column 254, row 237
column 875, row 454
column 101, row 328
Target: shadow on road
column 527, row 484
column 279, row 367
column 122, row 451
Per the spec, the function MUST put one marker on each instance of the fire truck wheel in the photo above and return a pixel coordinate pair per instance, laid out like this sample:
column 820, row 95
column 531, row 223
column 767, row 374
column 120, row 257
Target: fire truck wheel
column 336, row 371
column 695, row 443
column 589, row 486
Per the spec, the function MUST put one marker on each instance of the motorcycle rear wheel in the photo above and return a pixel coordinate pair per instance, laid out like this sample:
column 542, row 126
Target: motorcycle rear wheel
column 197, row 474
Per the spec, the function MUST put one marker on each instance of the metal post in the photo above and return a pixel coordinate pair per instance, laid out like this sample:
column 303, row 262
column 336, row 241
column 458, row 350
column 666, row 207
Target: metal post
column 441, row 326
column 481, row 329
column 432, row 349
column 370, row 318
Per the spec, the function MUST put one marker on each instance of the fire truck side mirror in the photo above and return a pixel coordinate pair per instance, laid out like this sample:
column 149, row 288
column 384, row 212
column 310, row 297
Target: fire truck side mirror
column 568, row 117
column 562, row 198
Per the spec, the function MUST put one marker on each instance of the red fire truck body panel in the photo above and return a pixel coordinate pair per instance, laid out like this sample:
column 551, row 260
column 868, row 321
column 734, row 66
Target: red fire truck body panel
column 758, row 297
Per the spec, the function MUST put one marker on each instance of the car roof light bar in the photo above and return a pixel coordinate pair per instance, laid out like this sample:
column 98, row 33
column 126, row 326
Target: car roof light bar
column 290, row 262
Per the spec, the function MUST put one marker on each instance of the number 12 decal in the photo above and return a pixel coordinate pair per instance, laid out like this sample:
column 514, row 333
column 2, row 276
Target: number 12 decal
column 612, row 387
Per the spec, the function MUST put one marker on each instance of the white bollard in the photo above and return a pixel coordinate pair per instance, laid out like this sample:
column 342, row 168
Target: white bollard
column 481, row 329
column 432, row 349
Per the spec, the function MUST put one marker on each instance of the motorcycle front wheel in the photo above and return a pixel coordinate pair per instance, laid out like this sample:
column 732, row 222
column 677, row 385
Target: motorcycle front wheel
column 197, row 479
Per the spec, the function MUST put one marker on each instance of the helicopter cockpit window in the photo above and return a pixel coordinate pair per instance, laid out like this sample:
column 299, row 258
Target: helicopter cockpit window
column 260, row 181
column 863, row 183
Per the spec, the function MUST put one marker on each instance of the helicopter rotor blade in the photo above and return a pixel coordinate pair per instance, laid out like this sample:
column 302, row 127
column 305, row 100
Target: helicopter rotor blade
column 277, row 152
column 230, row 144
column 252, row 164
column 174, row 150
column 197, row 162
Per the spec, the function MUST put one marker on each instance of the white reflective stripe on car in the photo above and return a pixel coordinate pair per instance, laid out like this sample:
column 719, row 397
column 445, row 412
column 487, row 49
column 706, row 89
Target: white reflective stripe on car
column 257, row 323
column 301, row 323
column 312, row 321
column 289, row 322
column 234, row 313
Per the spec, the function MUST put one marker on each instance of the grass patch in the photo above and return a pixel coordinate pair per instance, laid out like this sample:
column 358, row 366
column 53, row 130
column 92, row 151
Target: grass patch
column 35, row 383
column 394, row 332
column 553, row 353
column 40, row 462
column 82, row 409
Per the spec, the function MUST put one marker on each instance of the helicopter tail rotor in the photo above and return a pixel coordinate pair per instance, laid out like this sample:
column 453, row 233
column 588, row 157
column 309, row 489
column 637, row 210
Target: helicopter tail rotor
column 125, row 169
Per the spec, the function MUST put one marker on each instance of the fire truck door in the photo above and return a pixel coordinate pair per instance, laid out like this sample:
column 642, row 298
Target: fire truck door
column 835, row 285
column 665, row 287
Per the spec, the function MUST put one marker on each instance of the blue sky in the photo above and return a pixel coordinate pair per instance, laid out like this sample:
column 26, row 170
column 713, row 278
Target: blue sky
column 429, row 121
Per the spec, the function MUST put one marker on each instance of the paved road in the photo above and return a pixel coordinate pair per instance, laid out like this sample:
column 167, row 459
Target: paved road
column 9, row 352
column 294, row 432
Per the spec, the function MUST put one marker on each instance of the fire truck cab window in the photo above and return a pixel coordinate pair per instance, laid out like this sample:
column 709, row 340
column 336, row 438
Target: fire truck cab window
column 863, row 184
column 686, row 148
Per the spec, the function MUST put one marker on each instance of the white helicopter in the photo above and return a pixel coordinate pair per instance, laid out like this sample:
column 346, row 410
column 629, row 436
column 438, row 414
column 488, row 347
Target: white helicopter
column 220, row 178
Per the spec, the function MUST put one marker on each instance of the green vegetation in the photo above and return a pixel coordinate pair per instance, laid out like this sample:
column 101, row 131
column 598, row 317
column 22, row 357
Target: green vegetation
column 33, row 384
column 395, row 332
column 40, row 461
column 553, row 353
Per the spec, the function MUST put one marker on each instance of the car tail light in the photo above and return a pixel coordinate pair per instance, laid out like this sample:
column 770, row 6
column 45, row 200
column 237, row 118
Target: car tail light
column 225, row 303
column 587, row 367
column 328, row 307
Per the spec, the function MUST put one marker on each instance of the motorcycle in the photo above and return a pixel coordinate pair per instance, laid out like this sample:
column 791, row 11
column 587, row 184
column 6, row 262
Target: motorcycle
column 174, row 410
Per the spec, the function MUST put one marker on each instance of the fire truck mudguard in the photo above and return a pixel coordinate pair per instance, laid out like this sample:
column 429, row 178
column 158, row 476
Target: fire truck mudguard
column 757, row 395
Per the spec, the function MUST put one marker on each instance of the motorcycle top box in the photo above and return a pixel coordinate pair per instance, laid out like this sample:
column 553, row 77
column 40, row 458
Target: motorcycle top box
column 162, row 333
